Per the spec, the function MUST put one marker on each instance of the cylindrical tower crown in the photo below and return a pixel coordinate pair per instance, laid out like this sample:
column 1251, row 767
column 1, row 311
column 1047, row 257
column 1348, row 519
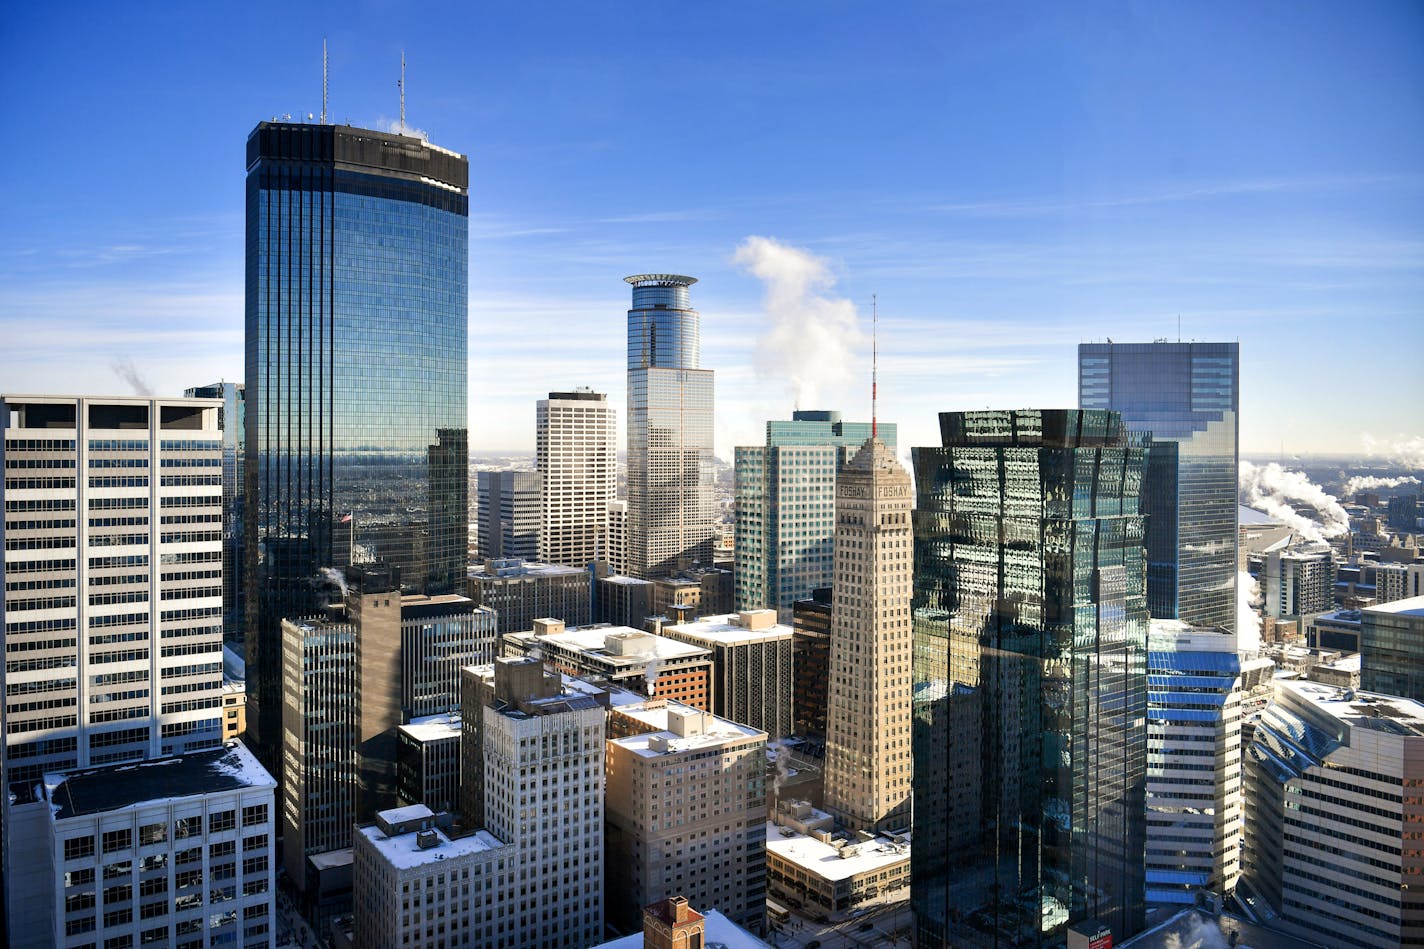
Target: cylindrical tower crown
column 664, row 332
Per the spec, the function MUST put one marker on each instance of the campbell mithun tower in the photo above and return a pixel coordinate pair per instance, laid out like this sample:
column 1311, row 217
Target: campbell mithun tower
column 357, row 335
column 671, row 505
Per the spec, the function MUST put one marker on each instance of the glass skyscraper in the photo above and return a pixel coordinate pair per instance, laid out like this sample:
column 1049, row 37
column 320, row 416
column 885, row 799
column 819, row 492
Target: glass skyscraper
column 786, row 507
column 356, row 330
column 671, row 501
column 1186, row 395
column 1029, row 704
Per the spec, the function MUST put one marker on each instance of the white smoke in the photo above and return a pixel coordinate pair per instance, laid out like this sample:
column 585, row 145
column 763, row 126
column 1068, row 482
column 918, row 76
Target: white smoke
column 1248, row 620
column 125, row 369
column 1200, row 934
column 650, row 675
column 336, row 578
column 1405, row 450
column 783, row 765
column 395, row 127
column 1371, row 483
column 813, row 337
column 1282, row 494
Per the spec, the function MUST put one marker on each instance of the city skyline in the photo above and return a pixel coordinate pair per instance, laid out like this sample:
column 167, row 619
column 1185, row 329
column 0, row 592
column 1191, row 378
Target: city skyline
column 1009, row 185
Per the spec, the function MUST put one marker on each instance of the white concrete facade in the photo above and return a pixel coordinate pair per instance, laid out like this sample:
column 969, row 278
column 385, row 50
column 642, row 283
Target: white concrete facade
column 576, row 455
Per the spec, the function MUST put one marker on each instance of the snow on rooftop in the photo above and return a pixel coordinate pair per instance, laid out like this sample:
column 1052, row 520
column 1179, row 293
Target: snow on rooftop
column 717, row 731
column 403, row 852
column 1412, row 606
column 726, row 631
column 433, row 727
column 113, row 787
column 716, row 929
column 1362, row 709
column 599, row 638
column 826, row 862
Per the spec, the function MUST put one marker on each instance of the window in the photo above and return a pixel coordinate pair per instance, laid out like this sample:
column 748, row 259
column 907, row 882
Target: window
column 117, row 840
column 152, row 834
column 185, row 827
column 257, row 814
column 77, row 847
column 221, row 821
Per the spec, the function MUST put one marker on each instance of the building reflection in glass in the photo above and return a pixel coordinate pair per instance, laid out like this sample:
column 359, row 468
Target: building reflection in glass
column 1030, row 644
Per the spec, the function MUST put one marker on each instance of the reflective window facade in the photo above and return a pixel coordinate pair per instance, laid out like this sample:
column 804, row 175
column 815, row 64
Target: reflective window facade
column 1030, row 690
column 672, row 508
column 356, row 330
column 1187, row 396
column 785, row 495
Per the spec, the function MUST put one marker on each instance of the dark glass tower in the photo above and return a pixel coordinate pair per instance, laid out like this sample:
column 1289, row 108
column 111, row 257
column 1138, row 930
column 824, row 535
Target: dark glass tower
column 671, row 502
column 357, row 446
column 1186, row 395
column 1030, row 689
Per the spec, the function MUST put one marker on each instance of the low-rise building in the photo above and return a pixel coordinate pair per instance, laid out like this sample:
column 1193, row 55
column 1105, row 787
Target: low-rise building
column 751, row 667
column 685, row 811
column 521, row 591
column 817, row 873
column 674, row 924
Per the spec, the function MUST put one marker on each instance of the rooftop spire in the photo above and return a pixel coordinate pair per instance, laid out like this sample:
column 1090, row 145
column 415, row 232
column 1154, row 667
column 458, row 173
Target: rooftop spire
column 874, row 359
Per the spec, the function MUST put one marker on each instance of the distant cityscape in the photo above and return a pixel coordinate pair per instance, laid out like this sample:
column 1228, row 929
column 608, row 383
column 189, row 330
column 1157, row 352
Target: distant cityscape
column 288, row 663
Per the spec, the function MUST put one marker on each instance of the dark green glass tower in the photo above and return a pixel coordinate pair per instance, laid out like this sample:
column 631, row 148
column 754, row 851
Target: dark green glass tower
column 1030, row 691
column 356, row 366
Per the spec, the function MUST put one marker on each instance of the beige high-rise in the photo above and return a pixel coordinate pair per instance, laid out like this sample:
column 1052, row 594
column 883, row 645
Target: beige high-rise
column 868, row 715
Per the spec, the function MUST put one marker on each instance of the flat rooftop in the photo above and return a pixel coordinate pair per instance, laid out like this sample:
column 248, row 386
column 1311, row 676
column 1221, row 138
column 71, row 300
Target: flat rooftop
column 724, row 631
column 826, row 862
column 433, row 727
column 1196, row 928
column 718, row 731
column 597, row 640
column 1360, row 709
column 114, row 787
column 1413, row 606
column 404, row 853
column 625, row 581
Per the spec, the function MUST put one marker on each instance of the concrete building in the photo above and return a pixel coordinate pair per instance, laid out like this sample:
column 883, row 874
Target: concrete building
column 1398, row 581
column 508, row 514
column 624, row 601
column 1332, row 842
column 868, row 763
column 632, row 659
column 414, row 885
column 351, row 680
column 428, row 762
column 234, row 694
column 616, row 548
column 811, row 662
column 704, row 591
column 818, row 873
column 1337, row 629
column 521, row 591
column 234, row 439
column 1193, row 762
column 176, row 851
column 686, row 809
column 533, row 768
column 113, row 581
column 1297, row 580
column 576, row 456
column 672, row 511
column 1392, row 648
column 751, row 667
column 786, row 507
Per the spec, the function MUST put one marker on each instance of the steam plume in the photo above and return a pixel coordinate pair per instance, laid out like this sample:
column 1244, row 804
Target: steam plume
column 1199, row 934
column 1370, row 483
column 783, row 765
column 336, row 578
column 650, row 675
column 1248, row 621
column 813, row 337
column 1282, row 494
column 125, row 369
column 1404, row 449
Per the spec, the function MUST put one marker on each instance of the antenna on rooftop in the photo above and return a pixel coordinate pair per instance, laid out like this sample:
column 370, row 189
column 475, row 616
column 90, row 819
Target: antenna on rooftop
column 401, row 86
column 323, row 80
column 874, row 359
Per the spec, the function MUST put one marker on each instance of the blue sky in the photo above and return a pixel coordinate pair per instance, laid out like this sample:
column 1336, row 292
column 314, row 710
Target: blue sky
column 1010, row 179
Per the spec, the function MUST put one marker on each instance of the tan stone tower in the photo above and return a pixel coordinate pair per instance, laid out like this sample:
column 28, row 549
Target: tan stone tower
column 868, row 716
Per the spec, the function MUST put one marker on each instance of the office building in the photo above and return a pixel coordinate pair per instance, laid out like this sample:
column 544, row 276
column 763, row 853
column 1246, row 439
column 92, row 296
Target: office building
column 428, row 762
column 623, row 601
column 1030, row 651
column 113, row 581
column 174, row 851
column 822, row 872
column 1398, row 581
column 351, row 679
column 533, row 776
column 520, row 592
column 751, row 667
column 1331, row 840
column 868, row 712
column 616, row 549
column 1403, row 512
column 230, row 417
column 811, row 662
column 1193, row 763
column 1338, row 630
column 704, row 591
column 576, row 457
column 632, row 659
column 672, row 510
column 508, row 511
column 1392, row 648
column 1187, row 396
column 412, row 883
column 685, row 812
column 234, row 694
column 786, row 506
column 356, row 364
column 1298, row 580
